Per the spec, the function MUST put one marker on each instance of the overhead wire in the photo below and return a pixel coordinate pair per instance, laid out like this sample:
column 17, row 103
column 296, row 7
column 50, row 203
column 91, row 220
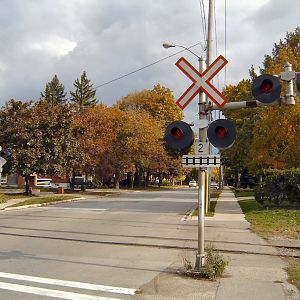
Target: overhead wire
column 203, row 20
column 216, row 39
column 225, row 40
column 146, row 66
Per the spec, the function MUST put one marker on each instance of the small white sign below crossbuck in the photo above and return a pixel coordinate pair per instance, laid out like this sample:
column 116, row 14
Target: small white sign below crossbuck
column 200, row 161
column 201, row 147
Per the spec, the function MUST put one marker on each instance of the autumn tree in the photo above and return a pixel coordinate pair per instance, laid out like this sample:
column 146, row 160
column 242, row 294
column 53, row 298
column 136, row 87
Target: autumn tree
column 158, row 102
column 276, row 137
column 54, row 92
column 261, row 142
column 84, row 94
column 118, row 139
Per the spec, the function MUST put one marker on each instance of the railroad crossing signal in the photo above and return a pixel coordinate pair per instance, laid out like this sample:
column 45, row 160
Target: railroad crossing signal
column 179, row 136
column 221, row 134
column 201, row 82
column 266, row 88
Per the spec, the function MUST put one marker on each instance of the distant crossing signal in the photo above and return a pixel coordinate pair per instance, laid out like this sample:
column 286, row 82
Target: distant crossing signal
column 266, row 88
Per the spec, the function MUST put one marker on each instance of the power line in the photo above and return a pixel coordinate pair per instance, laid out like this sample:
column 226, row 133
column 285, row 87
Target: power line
column 225, row 36
column 147, row 66
column 204, row 17
column 203, row 22
column 216, row 35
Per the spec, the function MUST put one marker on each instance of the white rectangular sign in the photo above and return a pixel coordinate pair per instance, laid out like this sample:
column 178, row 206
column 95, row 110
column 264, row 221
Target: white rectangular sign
column 201, row 147
column 2, row 161
column 200, row 161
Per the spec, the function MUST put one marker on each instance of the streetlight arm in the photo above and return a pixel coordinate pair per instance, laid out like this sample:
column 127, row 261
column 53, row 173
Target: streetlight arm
column 170, row 45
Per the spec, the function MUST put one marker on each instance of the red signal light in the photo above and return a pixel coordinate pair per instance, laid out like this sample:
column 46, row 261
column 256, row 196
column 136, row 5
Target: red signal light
column 221, row 132
column 177, row 133
column 179, row 136
column 266, row 86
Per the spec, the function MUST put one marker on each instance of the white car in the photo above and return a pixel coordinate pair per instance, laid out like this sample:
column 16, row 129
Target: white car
column 192, row 183
column 214, row 185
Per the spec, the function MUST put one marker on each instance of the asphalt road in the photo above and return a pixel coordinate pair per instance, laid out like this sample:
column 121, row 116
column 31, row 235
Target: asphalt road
column 98, row 248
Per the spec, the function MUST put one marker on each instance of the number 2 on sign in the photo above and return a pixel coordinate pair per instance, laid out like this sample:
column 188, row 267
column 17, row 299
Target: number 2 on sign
column 201, row 147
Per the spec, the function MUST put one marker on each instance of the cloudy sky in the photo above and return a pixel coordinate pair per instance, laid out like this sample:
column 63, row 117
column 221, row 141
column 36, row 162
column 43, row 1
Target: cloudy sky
column 111, row 38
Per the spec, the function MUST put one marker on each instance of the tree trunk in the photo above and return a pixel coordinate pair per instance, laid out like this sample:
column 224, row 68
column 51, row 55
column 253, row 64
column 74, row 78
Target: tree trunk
column 27, row 184
column 131, row 181
column 72, row 185
column 117, row 180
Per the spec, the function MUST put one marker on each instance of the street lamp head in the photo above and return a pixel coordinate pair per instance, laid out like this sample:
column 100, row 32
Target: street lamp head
column 168, row 45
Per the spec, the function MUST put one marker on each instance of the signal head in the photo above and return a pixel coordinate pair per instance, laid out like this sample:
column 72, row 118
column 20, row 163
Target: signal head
column 221, row 134
column 266, row 88
column 179, row 136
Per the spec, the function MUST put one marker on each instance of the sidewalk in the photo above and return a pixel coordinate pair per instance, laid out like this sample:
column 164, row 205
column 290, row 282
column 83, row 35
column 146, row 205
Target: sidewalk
column 255, row 272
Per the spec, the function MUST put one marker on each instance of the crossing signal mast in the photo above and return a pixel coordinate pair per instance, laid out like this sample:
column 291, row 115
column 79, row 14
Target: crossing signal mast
column 266, row 89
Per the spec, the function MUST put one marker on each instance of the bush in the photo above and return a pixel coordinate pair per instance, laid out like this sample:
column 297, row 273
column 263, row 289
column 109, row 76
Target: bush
column 214, row 265
column 279, row 188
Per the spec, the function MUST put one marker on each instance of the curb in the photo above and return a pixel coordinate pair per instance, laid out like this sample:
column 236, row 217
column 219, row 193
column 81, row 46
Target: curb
column 43, row 204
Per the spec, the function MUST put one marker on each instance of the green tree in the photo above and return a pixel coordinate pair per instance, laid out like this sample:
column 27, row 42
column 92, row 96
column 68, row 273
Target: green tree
column 18, row 136
column 84, row 94
column 59, row 139
column 237, row 159
column 54, row 92
column 39, row 137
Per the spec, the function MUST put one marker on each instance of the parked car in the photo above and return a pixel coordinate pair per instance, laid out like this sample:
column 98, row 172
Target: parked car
column 214, row 185
column 192, row 183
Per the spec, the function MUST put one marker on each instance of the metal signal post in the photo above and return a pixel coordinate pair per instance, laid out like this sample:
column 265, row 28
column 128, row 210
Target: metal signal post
column 202, row 175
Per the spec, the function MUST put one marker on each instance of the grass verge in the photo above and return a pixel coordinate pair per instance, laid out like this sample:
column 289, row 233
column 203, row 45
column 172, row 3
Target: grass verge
column 275, row 222
column 211, row 209
column 41, row 200
column 212, row 206
column 294, row 271
column 240, row 192
column 6, row 197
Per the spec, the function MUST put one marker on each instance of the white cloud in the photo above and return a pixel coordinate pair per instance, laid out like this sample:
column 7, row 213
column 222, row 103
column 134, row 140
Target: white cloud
column 54, row 46
column 3, row 67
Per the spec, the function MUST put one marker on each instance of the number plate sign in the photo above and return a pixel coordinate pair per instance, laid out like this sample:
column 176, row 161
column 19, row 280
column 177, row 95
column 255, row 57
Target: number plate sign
column 201, row 147
column 200, row 161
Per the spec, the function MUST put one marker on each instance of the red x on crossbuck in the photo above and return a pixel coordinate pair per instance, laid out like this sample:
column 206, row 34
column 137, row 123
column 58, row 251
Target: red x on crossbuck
column 201, row 82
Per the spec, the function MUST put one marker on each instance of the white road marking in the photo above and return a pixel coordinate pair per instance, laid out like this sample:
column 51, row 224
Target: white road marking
column 50, row 293
column 80, row 285
column 76, row 208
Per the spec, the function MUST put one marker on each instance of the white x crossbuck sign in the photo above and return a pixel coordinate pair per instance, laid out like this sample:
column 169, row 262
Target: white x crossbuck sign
column 201, row 82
